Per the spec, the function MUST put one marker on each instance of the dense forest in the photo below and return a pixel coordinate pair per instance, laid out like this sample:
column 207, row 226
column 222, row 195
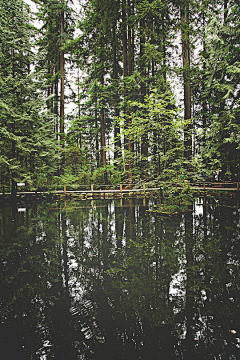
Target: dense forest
column 154, row 88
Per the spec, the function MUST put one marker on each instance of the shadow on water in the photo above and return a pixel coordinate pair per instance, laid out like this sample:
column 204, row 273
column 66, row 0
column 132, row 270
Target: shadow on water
column 108, row 280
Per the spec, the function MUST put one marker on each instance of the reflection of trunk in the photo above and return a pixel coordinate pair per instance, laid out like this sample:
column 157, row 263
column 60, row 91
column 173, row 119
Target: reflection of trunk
column 186, row 77
column 60, row 331
column 190, row 352
column 104, row 237
column 205, row 239
column 64, row 245
column 207, row 270
column 14, row 214
column 119, row 221
column 127, row 222
column 158, row 247
column 98, row 245
column 132, row 220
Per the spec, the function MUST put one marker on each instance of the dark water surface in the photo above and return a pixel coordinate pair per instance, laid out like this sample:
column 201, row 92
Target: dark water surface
column 108, row 280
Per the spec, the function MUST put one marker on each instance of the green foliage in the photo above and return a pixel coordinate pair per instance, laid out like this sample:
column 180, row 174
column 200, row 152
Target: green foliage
column 76, row 159
column 114, row 175
column 158, row 119
column 28, row 149
column 149, row 134
column 219, row 92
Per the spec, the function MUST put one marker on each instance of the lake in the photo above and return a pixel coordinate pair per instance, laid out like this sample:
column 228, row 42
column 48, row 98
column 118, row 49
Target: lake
column 107, row 279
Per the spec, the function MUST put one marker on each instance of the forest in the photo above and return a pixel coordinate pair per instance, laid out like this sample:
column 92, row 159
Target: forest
column 120, row 91
column 135, row 95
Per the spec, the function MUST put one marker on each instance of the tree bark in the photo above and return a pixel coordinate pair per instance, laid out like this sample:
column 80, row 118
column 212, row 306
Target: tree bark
column 103, row 141
column 130, row 143
column 62, row 78
column 56, row 99
column 125, row 64
column 13, row 185
column 186, row 77
column 117, row 140
column 96, row 127
column 144, row 140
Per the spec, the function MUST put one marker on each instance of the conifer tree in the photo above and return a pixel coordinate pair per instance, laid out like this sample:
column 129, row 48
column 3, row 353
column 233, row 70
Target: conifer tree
column 28, row 150
column 221, row 148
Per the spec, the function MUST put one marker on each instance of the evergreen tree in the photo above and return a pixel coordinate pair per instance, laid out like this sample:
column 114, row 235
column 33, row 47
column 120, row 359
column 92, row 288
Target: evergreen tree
column 221, row 93
column 28, row 150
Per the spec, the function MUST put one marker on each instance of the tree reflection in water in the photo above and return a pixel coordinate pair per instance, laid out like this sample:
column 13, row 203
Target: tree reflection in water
column 115, row 282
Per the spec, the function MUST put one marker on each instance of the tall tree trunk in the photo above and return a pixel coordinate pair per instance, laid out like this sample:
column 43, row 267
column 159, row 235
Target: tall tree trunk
column 129, row 54
column 103, row 141
column 13, row 186
column 133, row 36
column 124, row 37
column 52, row 70
column 117, row 140
column 204, row 105
column 79, row 110
column 125, row 64
column 62, row 77
column 184, row 10
column 49, row 84
column 130, row 143
column 155, row 132
column 225, row 10
column 103, row 138
column 164, row 77
column 56, row 99
column 96, row 128
column 144, row 140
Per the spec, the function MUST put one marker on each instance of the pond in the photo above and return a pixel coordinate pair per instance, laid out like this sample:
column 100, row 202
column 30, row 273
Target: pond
column 106, row 279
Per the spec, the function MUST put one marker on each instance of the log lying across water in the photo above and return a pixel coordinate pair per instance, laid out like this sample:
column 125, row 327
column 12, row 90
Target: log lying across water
column 214, row 186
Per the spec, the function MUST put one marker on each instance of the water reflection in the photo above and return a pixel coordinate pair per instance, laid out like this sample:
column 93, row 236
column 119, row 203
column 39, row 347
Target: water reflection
column 97, row 280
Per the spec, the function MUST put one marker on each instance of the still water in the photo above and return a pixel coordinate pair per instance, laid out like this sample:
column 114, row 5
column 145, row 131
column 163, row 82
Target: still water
column 106, row 279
